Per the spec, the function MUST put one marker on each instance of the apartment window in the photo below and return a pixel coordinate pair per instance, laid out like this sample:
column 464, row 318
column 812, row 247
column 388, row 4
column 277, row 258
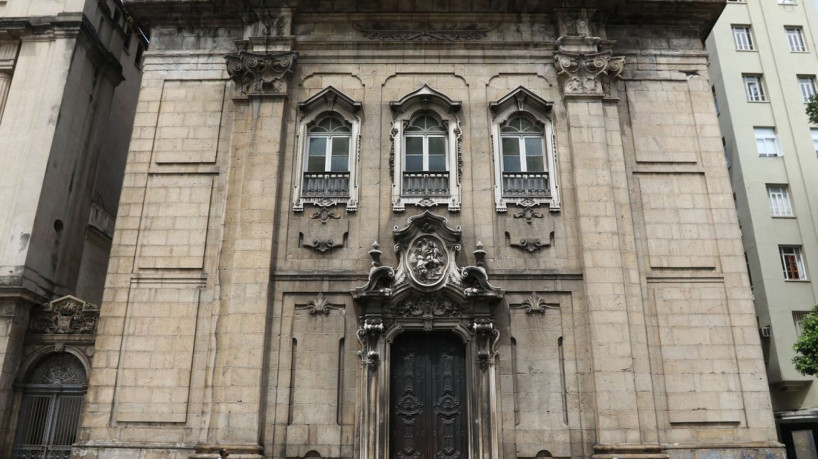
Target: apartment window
column 786, row 2
column 742, row 38
column 426, row 140
column 753, row 88
column 795, row 39
column 780, row 205
column 328, row 133
column 767, row 142
column 807, row 85
column 523, row 151
column 792, row 262
column 798, row 321
column 814, row 133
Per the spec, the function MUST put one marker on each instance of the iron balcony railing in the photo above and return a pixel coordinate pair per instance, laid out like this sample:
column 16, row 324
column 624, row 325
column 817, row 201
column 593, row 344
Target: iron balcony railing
column 426, row 183
column 325, row 185
column 525, row 184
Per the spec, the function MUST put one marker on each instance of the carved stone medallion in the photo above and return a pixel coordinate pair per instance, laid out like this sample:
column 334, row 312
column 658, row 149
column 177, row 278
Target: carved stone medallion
column 427, row 260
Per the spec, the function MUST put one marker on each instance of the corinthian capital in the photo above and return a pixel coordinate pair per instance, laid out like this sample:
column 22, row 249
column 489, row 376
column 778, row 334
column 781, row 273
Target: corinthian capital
column 587, row 74
column 260, row 73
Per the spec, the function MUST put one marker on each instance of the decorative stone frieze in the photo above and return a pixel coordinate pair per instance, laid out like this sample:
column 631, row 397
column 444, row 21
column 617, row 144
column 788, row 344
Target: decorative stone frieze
column 258, row 74
column 65, row 316
column 423, row 32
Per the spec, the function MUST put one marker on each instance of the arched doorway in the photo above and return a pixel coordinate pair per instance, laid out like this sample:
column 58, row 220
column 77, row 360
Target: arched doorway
column 428, row 396
column 50, row 410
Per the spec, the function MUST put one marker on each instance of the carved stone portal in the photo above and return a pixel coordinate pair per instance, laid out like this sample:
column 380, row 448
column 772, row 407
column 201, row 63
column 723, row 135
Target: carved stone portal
column 427, row 293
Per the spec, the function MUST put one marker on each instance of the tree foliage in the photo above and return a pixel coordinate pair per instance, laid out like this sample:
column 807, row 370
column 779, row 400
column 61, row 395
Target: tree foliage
column 806, row 346
column 812, row 109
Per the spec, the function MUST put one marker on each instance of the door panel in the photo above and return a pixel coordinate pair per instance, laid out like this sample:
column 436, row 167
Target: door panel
column 428, row 393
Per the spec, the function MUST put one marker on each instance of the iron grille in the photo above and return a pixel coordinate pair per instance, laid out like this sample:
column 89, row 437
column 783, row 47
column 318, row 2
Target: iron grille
column 426, row 183
column 525, row 184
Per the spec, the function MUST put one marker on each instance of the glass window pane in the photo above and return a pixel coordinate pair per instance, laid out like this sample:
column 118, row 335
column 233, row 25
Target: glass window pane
column 534, row 164
column 414, row 146
column 437, row 146
column 533, row 146
column 318, row 146
column 414, row 163
column 511, row 163
column 340, row 146
column 511, row 146
column 437, row 162
column 316, row 164
column 340, row 164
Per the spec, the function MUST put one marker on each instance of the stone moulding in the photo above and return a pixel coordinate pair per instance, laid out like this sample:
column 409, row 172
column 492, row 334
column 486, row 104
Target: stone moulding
column 65, row 316
column 260, row 73
column 533, row 304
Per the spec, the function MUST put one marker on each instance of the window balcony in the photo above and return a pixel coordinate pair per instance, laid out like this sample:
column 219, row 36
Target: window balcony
column 525, row 184
column 325, row 185
column 426, row 184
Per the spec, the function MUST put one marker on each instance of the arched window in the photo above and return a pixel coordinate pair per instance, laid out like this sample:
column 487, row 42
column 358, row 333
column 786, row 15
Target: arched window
column 524, row 157
column 51, row 407
column 522, row 144
column 425, row 139
column 327, row 151
column 425, row 151
column 328, row 146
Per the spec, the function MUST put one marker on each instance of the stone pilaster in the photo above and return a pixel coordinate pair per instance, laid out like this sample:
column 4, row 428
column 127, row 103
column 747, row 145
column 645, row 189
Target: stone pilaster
column 258, row 127
column 586, row 67
column 5, row 83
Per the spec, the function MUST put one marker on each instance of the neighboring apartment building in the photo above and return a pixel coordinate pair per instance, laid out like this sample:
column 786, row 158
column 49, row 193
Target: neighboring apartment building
column 69, row 78
column 763, row 65
column 564, row 274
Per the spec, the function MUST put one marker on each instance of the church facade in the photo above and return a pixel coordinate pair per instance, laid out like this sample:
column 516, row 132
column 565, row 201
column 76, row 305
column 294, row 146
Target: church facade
column 441, row 229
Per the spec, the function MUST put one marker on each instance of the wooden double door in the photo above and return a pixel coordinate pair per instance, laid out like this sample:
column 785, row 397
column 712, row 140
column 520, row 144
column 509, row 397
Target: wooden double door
column 428, row 402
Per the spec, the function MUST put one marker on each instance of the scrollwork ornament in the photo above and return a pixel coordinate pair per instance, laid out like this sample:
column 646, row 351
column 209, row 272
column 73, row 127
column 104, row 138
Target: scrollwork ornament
column 487, row 338
column 534, row 304
column 368, row 336
column 319, row 305
column 583, row 74
column 260, row 73
column 66, row 315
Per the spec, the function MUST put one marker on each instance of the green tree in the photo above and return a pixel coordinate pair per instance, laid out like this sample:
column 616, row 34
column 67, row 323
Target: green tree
column 806, row 346
column 812, row 109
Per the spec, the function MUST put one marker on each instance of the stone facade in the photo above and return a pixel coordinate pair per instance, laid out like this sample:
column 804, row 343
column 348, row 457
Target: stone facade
column 252, row 300
column 69, row 78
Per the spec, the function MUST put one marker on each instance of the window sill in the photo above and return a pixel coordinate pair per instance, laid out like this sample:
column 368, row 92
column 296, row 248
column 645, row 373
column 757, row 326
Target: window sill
column 784, row 217
column 797, row 281
column 758, row 101
column 747, row 50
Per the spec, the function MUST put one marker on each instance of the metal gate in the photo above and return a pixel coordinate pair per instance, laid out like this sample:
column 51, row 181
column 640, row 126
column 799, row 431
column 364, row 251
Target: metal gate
column 428, row 393
column 50, row 410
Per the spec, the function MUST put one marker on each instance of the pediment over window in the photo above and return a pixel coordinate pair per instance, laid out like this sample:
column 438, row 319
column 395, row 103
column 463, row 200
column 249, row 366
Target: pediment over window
column 426, row 97
column 521, row 99
column 330, row 99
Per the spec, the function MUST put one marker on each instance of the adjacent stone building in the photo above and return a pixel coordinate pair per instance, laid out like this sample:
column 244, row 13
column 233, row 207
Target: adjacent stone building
column 69, row 78
column 764, row 60
column 442, row 229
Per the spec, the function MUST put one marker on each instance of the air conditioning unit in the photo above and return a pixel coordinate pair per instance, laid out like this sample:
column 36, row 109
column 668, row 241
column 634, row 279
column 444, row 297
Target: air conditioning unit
column 764, row 331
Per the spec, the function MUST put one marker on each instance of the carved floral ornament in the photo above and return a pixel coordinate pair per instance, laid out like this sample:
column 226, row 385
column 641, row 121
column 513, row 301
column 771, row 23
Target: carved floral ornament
column 256, row 74
column 586, row 74
column 63, row 316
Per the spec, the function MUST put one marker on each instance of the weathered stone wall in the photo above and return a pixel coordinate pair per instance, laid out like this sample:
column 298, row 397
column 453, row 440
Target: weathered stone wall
column 626, row 329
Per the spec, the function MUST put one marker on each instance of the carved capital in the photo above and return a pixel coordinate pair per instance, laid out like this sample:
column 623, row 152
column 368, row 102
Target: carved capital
column 256, row 74
column 368, row 335
column 587, row 74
